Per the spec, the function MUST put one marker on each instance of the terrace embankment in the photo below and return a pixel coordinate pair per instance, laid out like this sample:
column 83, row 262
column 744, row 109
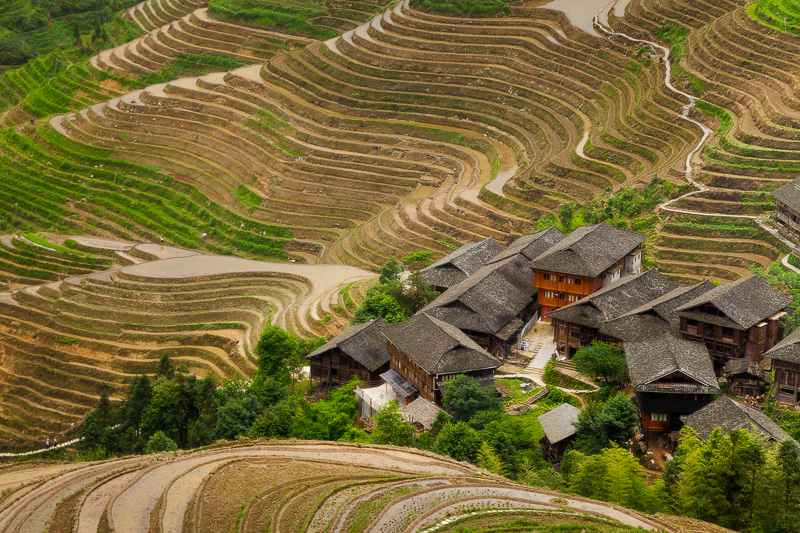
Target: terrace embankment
column 412, row 131
column 62, row 344
column 289, row 486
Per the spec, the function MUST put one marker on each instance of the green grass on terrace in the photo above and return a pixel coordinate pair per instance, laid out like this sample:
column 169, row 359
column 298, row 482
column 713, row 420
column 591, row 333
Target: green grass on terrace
column 782, row 15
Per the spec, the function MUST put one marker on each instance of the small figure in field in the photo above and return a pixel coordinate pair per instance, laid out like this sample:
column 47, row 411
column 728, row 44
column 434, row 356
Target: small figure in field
column 162, row 242
column 47, row 444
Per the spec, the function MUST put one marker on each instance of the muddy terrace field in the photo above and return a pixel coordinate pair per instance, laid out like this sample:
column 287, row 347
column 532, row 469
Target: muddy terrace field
column 286, row 487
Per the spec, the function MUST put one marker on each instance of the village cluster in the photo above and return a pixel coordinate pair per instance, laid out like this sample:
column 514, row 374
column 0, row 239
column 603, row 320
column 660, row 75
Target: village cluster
column 680, row 341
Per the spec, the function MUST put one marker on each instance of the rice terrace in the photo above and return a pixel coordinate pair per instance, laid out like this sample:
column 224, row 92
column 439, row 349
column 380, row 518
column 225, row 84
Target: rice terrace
column 400, row 265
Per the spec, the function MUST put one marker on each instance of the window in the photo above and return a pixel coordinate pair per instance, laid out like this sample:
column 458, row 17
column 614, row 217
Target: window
column 574, row 281
column 574, row 334
column 727, row 333
column 658, row 417
column 573, row 297
column 548, row 277
column 561, row 279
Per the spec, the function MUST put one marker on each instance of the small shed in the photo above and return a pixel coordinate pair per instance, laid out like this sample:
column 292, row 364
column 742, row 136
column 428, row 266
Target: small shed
column 422, row 412
column 745, row 377
column 559, row 431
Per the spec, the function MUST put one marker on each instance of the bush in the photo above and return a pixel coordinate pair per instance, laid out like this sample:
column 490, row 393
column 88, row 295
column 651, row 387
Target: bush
column 160, row 443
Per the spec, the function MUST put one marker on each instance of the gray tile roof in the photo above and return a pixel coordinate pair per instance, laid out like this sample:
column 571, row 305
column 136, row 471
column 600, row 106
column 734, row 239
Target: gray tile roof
column 615, row 300
column 558, row 424
column 789, row 194
column 654, row 318
column 488, row 300
column 745, row 303
column 438, row 347
column 422, row 411
column 743, row 365
column 730, row 415
column 461, row 263
column 588, row 251
column 363, row 342
column 787, row 350
column 654, row 358
column 533, row 245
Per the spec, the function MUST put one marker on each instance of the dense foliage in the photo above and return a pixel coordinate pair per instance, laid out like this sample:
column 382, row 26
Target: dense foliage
column 399, row 293
column 602, row 359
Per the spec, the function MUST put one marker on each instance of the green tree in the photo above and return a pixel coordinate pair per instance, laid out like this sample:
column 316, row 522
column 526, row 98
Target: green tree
column 459, row 441
column 602, row 359
column 464, row 397
column 236, row 416
column 391, row 427
column 600, row 426
column 139, row 396
column 165, row 368
column 488, row 459
column 277, row 352
column 160, row 443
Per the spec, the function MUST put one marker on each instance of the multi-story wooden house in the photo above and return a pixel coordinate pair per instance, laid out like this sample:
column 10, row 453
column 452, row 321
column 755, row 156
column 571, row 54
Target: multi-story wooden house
column 729, row 415
column 459, row 265
column 785, row 358
column 737, row 319
column 671, row 377
column 787, row 200
column 358, row 351
column 490, row 306
column 588, row 259
column 577, row 325
column 427, row 353
column 745, row 377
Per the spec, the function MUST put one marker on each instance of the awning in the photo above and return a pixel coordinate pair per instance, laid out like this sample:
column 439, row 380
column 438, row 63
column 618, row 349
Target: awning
column 401, row 385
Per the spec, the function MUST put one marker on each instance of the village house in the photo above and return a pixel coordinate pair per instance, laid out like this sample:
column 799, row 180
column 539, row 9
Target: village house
column 359, row 351
column 590, row 258
column 491, row 306
column 785, row 357
column 531, row 246
column 737, row 319
column 461, row 264
column 744, row 377
column 422, row 413
column 577, row 325
column 559, row 431
column 730, row 415
column 787, row 200
column 425, row 353
column 671, row 377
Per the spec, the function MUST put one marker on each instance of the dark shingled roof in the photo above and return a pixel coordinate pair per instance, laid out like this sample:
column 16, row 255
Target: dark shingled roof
column 615, row 300
column 422, row 411
column 652, row 359
column 533, row 245
column 363, row 342
column 655, row 317
column 438, row 347
column 558, row 424
column 745, row 303
column 789, row 194
column 460, row 264
column 743, row 366
column 588, row 251
column 787, row 350
column 489, row 300
column 729, row 415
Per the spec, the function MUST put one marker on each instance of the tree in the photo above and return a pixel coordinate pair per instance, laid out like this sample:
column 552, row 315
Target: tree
column 602, row 359
column 160, row 443
column 236, row 416
column 459, row 441
column 165, row 368
column 598, row 427
column 488, row 459
column 139, row 397
column 391, row 427
column 464, row 397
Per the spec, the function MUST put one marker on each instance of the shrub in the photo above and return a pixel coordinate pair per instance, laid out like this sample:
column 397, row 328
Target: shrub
column 160, row 443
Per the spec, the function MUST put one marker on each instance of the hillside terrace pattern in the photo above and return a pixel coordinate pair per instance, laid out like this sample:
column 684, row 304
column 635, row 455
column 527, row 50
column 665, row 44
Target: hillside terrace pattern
column 316, row 131
column 61, row 343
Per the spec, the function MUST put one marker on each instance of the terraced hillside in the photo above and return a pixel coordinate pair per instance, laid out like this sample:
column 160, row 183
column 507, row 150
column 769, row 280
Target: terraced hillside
column 286, row 487
column 745, row 73
column 63, row 343
column 412, row 132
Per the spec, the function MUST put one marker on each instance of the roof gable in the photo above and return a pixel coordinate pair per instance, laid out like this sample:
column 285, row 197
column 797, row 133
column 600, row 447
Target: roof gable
column 460, row 264
column 559, row 423
column 786, row 350
column 745, row 302
column 789, row 194
column 533, row 245
column 588, row 251
column 362, row 342
column 652, row 359
column 730, row 415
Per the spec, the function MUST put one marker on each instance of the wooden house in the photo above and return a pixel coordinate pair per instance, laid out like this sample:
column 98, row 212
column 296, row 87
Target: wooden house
column 559, row 431
column 744, row 377
column 729, row 415
column 422, row 413
column 671, row 377
column 787, row 200
column 577, row 325
column 785, row 358
column 426, row 352
column 531, row 246
column 734, row 320
column 358, row 351
column 461, row 264
column 588, row 259
column 491, row 306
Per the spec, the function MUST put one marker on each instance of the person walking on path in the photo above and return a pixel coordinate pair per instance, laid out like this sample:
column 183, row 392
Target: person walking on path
column 47, row 444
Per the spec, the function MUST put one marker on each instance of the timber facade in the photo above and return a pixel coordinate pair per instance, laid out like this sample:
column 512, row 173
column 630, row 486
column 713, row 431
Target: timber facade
column 787, row 200
column 359, row 351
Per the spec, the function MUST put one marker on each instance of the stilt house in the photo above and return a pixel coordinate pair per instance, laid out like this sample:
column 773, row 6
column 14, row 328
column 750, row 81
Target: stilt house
column 787, row 200
column 559, row 431
column 359, row 350
column 785, row 358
